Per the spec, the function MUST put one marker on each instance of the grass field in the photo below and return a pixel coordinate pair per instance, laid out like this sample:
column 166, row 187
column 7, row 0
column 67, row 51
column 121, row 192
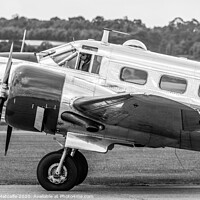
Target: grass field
column 122, row 165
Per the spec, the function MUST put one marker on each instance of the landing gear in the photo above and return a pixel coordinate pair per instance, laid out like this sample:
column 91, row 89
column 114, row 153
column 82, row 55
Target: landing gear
column 82, row 165
column 60, row 171
column 47, row 177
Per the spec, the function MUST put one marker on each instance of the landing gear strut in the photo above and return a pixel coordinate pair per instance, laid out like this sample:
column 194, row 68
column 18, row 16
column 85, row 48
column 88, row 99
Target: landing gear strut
column 60, row 171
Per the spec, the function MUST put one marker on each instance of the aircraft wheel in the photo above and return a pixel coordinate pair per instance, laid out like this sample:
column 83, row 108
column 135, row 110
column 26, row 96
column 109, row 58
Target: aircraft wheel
column 52, row 182
column 82, row 167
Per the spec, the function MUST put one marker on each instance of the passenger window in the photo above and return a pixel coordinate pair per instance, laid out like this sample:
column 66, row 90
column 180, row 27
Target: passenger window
column 96, row 64
column 173, row 84
column 134, row 76
column 199, row 91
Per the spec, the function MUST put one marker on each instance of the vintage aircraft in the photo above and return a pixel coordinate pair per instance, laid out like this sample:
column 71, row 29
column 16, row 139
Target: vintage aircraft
column 97, row 94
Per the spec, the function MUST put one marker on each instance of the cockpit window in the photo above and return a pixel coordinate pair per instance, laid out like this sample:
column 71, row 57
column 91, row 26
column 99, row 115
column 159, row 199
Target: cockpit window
column 132, row 75
column 44, row 54
column 69, row 57
column 70, row 61
column 84, row 62
column 96, row 64
column 62, row 57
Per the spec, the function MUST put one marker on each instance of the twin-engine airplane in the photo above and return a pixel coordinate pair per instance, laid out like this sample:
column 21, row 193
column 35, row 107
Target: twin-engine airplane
column 97, row 94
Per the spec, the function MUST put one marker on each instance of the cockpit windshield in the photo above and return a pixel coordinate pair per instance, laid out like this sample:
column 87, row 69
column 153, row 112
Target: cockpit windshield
column 65, row 56
column 44, row 54
column 60, row 55
column 85, row 59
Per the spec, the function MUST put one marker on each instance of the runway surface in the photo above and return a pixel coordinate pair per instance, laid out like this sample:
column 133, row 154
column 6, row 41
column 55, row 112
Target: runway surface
column 165, row 192
column 119, row 174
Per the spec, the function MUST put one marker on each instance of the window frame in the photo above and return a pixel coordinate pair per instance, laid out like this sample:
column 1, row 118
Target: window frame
column 92, row 64
column 133, row 68
column 172, row 76
column 198, row 91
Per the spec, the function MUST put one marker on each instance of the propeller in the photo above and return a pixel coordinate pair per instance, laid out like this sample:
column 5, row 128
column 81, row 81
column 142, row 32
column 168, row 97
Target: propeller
column 4, row 95
column 8, row 136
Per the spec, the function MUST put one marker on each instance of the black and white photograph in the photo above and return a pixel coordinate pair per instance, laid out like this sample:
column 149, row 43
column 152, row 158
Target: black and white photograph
column 100, row 99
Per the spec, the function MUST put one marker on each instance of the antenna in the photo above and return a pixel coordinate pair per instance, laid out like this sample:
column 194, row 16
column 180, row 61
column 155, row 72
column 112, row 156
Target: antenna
column 105, row 36
column 106, row 33
column 23, row 41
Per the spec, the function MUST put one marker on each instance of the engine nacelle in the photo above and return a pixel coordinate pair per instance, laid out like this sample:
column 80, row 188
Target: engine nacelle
column 31, row 88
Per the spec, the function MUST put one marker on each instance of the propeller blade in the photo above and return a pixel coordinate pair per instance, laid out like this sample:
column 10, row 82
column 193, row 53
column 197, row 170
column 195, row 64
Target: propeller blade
column 2, row 100
column 3, row 96
column 8, row 67
column 8, row 136
column 23, row 41
column 4, row 87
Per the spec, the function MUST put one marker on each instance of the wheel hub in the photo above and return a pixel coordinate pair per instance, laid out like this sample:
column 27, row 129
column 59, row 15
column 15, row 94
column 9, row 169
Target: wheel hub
column 55, row 178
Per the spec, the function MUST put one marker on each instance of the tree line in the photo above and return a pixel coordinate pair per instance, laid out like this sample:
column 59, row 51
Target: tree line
column 178, row 38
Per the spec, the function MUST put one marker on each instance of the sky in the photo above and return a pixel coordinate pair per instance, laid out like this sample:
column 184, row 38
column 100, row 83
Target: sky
column 151, row 12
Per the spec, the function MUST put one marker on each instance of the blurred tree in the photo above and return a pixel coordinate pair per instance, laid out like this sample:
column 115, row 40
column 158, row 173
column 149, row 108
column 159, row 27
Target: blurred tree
column 179, row 37
column 55, row 19
column 195, row 51
column 44, row 46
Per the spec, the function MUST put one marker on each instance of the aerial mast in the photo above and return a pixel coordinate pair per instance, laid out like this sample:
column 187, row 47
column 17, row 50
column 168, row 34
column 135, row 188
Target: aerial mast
column 106, row 33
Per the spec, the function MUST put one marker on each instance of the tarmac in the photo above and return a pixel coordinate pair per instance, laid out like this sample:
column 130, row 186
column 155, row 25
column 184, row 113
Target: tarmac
column 100, row 192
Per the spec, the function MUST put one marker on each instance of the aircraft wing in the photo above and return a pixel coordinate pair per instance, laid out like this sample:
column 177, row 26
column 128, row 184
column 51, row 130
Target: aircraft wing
column 146, row 113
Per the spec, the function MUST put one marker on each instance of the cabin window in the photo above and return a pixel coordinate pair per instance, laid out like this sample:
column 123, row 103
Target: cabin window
column 96, row 64
column 173, row 84
column 132, row 75
column 199, row 91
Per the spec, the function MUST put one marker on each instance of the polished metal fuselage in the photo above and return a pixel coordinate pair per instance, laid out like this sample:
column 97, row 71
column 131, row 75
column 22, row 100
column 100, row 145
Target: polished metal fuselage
column 75, row 84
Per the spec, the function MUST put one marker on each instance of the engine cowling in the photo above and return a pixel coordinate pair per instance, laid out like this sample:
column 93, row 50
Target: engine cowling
column 31, row 88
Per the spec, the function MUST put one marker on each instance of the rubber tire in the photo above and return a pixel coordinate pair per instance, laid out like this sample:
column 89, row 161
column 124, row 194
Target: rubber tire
column 82, row 167
column 42, row 172
column 81, row 164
